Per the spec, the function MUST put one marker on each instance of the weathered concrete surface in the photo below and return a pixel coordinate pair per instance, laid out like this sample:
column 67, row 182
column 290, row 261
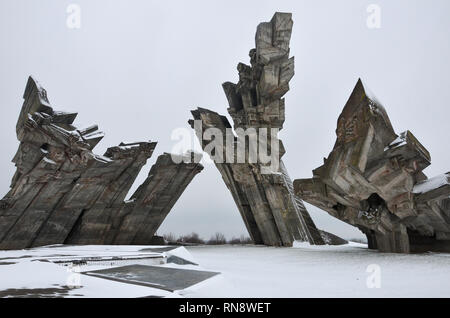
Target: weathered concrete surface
column 331, row 239
column 170, row 279
column 373, row 179
column 271, row 212
column 64, row 193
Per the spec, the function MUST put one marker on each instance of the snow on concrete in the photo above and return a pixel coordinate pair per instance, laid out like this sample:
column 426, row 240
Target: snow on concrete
column 24, row 270
column 398, row 142
column 182, row 253
column 432, row 183
column 33, row 275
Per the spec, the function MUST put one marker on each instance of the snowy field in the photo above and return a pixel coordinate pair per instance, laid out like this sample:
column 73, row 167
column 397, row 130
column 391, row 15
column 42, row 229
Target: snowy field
column 245, row 271
column 328, row 271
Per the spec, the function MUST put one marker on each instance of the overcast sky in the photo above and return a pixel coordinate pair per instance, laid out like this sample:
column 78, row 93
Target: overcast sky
column 137, row 68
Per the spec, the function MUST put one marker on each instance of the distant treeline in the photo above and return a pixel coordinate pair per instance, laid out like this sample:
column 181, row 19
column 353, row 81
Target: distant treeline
column 216, row 239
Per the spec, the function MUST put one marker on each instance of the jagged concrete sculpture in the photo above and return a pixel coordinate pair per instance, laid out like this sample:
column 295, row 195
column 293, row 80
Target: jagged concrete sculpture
column 271, row 212
column 64, row 193
column 373, row 179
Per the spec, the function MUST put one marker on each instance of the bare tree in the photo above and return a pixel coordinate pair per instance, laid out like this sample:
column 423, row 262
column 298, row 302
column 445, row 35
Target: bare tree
column 192, row 238
column 234, row 241
column 246, row 240
column 242, row 240
column 170, row 237
column 218, row 239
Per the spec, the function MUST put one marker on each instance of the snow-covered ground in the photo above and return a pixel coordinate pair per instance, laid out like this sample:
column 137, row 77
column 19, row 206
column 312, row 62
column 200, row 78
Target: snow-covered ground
column 33, row 272
column 246, row 271
column 323, row 271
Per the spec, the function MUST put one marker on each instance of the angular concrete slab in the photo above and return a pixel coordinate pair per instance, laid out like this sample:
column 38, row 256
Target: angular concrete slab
column 373, row 179
column 179, row 260
column 263, row 192
column 159, row 249
column 170, row 279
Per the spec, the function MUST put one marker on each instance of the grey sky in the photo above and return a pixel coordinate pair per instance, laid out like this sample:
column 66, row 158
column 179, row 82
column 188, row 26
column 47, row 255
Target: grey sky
column 136, row 68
